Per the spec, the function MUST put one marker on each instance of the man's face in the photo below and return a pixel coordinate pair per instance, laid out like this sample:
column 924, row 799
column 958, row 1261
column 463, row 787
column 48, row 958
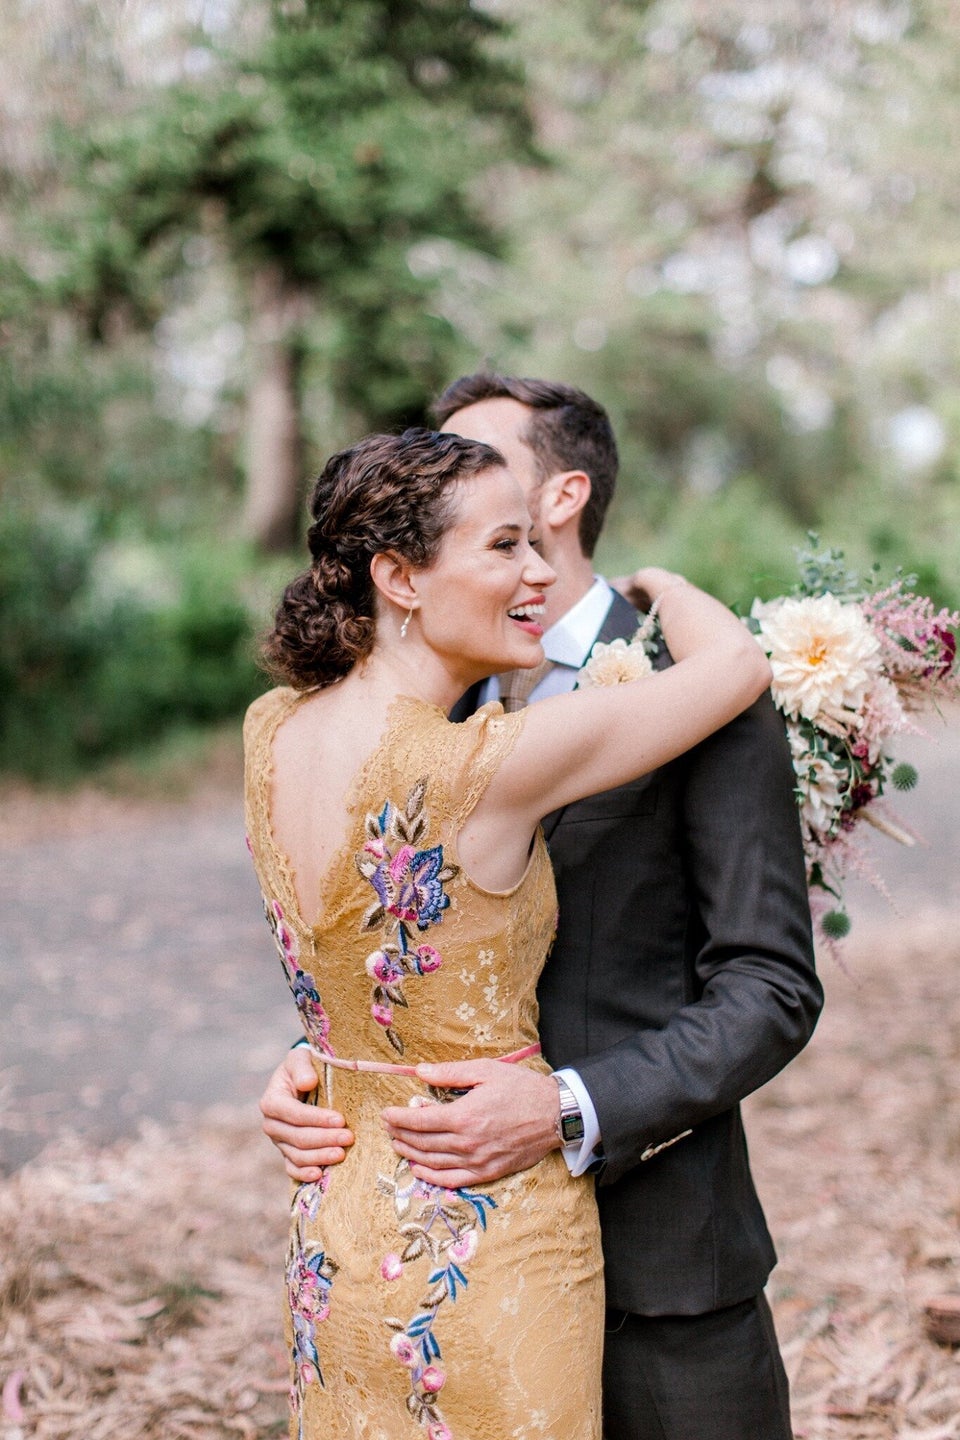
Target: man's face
column 501, row 422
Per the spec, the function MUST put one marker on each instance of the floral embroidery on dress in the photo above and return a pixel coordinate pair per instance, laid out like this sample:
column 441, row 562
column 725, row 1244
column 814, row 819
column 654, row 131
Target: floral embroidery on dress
column 445, row 1226
column 310, row 1275
column 303, row 987
column 409, row 887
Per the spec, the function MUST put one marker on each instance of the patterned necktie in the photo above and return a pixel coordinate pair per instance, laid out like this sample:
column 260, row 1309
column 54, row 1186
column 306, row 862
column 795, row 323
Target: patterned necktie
column 516, row 686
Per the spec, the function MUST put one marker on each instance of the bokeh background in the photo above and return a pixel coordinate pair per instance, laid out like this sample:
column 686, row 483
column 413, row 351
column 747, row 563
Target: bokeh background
column 237, row 233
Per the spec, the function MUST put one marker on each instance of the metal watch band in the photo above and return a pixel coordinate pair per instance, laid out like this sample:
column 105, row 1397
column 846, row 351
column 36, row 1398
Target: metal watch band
column 570, row 1124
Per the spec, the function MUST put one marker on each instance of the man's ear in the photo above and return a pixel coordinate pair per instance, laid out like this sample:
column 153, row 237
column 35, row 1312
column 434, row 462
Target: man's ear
column 393, row 579
column 562, row 498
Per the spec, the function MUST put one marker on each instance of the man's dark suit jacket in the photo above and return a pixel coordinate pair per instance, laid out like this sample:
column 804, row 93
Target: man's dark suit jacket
column 681, row 979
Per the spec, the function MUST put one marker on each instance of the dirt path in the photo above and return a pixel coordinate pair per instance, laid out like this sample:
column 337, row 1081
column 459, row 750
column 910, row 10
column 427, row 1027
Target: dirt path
column 136, row 975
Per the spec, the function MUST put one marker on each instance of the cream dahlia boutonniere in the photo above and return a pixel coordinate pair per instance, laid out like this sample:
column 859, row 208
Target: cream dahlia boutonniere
column 615, row 663
column 622, row 660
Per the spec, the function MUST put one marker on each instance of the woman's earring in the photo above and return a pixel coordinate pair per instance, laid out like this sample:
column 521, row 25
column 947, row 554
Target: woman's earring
column 403, row 627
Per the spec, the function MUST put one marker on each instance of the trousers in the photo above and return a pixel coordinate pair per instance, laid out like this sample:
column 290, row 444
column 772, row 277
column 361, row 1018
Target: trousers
column 717, row 1376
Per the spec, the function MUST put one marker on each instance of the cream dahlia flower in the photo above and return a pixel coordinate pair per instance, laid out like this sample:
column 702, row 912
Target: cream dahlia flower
column 615, row 663
column 823, row 654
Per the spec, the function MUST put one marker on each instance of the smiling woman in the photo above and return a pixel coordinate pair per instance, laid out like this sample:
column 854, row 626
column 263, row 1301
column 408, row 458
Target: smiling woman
column 412, row 904
column 476, row 608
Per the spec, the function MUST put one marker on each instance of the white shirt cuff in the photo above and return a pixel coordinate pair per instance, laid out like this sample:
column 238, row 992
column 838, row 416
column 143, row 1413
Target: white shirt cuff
column 581, row 1154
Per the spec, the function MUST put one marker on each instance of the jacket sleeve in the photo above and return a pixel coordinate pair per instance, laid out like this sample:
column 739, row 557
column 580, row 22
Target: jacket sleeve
column 755, row 996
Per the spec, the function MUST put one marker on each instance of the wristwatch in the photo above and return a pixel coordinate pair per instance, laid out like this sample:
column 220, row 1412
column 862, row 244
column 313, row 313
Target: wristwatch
column 570, row 1122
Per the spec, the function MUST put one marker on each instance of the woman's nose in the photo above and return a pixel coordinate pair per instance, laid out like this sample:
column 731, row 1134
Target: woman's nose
column 537, row 572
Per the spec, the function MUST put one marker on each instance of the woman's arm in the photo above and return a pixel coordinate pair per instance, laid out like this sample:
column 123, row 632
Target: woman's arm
column 602, row 736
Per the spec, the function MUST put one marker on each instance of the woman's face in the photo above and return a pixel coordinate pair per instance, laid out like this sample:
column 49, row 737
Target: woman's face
column 481, row 600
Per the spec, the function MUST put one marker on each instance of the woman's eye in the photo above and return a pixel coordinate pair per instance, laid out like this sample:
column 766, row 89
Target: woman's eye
column 506, row 545
column 535, row 542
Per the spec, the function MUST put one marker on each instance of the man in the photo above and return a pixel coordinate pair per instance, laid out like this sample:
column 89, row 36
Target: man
column 681, row 979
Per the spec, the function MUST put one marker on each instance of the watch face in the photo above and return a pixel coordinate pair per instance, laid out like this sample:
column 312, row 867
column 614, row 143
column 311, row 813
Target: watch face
column 571, row 1127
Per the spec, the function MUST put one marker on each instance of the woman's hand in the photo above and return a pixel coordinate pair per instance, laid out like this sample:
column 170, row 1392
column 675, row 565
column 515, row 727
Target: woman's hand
column 307, row 1136
column 646, row 585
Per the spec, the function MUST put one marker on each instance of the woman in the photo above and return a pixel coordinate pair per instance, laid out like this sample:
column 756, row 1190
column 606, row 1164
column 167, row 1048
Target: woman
column 412, row 902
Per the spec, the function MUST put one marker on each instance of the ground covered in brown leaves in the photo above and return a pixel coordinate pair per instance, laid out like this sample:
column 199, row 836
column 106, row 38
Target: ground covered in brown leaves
column 139, row 1294
column 856, row 1149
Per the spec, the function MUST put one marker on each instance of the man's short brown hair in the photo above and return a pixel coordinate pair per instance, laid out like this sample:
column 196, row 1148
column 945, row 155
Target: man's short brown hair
column 566, row 431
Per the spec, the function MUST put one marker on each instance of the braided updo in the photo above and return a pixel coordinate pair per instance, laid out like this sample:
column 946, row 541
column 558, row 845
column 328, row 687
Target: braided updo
column 386, row 493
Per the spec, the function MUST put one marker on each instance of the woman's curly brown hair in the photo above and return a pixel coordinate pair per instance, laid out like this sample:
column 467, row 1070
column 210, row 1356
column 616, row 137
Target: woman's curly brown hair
column 386, row 493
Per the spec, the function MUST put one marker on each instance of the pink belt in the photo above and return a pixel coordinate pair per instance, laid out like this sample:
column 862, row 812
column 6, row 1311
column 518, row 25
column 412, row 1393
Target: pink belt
column 380, row 1067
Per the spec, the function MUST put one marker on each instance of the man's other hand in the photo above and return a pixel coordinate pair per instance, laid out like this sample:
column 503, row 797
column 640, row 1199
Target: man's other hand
column 507, row 1122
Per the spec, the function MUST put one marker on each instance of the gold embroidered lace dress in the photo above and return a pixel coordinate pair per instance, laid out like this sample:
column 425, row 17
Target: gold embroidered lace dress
column 414, row 1312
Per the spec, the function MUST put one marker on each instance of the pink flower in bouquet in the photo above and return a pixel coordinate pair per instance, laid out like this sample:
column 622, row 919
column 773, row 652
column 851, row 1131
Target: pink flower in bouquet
column 882, row 716
column 918, row 643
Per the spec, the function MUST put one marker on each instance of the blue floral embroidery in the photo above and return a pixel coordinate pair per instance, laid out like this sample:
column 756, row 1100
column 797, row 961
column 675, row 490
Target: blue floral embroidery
column 303, row 987
column 310, row 1276
column 445, row 1226
column 409, row 887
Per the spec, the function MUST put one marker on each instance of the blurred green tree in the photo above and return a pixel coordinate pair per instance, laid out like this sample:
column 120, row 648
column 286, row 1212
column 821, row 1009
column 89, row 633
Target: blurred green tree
column 746, row 245
column 348, row 133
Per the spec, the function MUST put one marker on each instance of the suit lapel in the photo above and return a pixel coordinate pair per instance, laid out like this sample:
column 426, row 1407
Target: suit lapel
column 620, row 622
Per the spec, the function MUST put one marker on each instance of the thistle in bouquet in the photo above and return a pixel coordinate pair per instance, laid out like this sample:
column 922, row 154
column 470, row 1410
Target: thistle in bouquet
column 852, row 663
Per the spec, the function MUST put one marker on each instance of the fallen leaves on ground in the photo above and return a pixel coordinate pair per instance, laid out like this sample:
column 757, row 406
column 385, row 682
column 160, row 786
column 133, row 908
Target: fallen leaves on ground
column 140, row 1289
column 855, row 1148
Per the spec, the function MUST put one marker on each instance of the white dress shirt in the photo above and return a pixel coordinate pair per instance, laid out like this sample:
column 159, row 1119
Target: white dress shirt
column 568, row 644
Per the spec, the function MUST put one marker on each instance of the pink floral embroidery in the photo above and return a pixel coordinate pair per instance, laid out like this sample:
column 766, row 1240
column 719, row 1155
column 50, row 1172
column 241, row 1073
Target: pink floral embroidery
column 409, row 887
column 310, row 1272
column 391, row 1267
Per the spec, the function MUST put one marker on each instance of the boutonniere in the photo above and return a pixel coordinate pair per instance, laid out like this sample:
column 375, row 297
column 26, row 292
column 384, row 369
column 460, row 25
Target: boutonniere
column 615, row 662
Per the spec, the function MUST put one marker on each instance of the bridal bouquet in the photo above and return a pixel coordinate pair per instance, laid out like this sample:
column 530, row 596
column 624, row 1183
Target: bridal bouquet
column 852, row 663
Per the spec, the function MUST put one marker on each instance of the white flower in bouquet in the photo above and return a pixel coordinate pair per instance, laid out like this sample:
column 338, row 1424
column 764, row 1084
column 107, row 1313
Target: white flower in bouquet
column 615, row 663
column 820, row 792
column 824, row 655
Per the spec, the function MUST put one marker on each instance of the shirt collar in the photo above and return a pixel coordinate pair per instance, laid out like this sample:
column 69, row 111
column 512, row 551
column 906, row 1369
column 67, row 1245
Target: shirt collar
column 570, row 640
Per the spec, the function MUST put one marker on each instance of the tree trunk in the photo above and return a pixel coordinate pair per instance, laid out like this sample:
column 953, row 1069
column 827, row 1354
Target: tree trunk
column 273, row 439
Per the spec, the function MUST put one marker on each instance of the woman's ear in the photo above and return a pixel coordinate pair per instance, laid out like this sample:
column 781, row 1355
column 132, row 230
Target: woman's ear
column 392, row 578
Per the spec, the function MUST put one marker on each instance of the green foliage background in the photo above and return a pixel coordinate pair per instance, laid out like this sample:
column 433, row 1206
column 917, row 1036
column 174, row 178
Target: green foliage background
column 738, row 232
